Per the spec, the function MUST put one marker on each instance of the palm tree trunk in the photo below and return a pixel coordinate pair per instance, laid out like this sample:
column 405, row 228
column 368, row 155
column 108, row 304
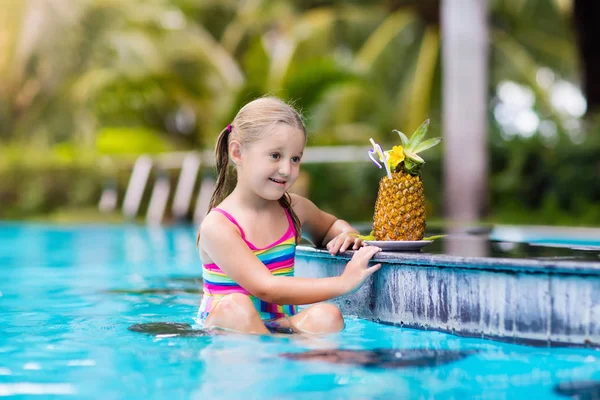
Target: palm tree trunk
column 586, row 15
column 465, row 103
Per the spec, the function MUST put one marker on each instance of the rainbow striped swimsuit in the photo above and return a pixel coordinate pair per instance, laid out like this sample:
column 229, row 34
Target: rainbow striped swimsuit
column 277, row 257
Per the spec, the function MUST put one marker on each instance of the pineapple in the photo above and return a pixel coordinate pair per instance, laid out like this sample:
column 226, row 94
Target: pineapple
column 400, row 206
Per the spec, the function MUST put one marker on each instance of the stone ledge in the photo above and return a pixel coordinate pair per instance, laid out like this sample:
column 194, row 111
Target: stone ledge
column 545, row 266
column 516, row 300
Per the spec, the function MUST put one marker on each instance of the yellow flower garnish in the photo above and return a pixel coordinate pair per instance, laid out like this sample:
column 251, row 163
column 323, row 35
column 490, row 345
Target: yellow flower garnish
column 396, row 156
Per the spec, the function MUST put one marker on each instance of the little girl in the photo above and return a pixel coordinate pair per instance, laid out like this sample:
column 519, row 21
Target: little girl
column 247, row 241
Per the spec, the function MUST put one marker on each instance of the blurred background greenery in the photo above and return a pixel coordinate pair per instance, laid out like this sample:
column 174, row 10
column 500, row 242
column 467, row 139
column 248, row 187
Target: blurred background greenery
column 90, row 78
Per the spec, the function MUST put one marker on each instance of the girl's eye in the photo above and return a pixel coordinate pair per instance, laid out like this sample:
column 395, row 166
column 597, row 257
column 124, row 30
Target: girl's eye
column 296, row 159
column 275, row 156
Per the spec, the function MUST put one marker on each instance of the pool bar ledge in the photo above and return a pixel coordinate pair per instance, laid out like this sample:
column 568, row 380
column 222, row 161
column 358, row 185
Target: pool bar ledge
column 529, row 301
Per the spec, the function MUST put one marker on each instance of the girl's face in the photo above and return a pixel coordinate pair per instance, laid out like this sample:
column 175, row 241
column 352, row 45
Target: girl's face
column 271, row 165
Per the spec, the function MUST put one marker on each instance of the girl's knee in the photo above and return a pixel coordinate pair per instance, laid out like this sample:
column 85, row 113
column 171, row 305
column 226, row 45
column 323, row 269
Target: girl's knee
column 329, row 312
column 327, row 316
column 235, row 312
column 235, row 306
column 236, row 301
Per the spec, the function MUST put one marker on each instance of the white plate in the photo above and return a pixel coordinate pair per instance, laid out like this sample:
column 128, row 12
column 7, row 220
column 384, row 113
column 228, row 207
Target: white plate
column 399, row 245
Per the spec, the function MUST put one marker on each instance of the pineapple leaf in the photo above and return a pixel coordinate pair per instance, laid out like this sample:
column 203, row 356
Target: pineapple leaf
column 411, row 167
column 418, row 136
column 429, row 143
column 403, row 137
column 434, row 237
column 415, row 158
column 363, row 237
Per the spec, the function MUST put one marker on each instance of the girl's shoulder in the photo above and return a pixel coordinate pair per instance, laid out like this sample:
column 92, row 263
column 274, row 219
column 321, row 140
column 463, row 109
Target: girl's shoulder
column 299, row 204
column 215, row 223
column 215, row 233
column 298, row 201
column 304, row 208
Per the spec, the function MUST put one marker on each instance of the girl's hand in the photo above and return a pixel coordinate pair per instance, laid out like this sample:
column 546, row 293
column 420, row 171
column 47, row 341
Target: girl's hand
column 357, row 270
column 343, row 242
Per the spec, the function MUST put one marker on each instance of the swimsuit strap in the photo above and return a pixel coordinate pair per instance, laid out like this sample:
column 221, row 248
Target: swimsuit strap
column 290, row 222
column 230, row 217
column 290, row 231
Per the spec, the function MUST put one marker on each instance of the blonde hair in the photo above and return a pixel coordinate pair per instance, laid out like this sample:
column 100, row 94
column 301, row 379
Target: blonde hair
column 254, row 121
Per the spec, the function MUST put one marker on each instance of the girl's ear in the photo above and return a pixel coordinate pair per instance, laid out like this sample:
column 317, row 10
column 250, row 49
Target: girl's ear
column 235, row 152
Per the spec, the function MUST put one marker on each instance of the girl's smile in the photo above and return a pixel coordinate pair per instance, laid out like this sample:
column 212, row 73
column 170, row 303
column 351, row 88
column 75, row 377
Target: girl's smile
column 278, row 182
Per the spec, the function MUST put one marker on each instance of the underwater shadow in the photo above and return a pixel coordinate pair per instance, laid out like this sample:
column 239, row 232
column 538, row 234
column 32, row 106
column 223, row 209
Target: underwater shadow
column 581, row 390
column 383, row 358
column 168, row 328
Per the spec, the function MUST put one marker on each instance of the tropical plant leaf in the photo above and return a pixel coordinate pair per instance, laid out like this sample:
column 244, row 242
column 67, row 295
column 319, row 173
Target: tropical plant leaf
column 429, row 143
column 414, row 157
column 418, row 136
column 423, row 78
column 434, row 237
column 403, row 137
column 410, row 166
column 307, row 82
column 363, row 237
column 382, row 36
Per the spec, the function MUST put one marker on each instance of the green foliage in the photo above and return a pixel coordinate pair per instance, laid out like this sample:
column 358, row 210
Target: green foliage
column 533, row 181
column 309, row 81
column 28, row 190
column 115, row 141
column 105, row 77
column 358, row 183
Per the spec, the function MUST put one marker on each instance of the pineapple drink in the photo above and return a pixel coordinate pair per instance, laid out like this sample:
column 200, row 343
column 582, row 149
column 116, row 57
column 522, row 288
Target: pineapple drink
column 400, row 205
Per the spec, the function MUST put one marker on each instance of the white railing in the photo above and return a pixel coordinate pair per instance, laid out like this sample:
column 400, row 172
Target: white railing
column 190, row 165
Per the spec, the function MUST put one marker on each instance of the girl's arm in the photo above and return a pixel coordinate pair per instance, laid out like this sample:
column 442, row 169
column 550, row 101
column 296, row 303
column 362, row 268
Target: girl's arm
column 324, row 229
column 222, row 242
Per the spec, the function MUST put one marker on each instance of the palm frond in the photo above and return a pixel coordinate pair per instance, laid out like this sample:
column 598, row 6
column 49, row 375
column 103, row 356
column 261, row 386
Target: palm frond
column 382, row 36
column 418, row 104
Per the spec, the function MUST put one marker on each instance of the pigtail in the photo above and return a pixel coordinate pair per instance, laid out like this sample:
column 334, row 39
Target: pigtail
column 286, row 202
column 222, row 163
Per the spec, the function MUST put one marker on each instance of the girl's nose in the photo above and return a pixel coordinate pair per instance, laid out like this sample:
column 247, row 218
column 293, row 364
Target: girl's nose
column 285, row 168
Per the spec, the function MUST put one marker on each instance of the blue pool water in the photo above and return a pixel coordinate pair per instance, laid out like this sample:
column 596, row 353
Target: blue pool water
column 69, row 294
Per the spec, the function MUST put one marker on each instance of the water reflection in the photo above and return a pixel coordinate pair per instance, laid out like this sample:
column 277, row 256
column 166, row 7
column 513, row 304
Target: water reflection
column 463, row 245
column 483, row 241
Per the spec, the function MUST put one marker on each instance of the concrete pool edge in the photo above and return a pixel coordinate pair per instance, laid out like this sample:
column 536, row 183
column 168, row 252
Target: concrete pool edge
column 528, row 301
column 547, row 266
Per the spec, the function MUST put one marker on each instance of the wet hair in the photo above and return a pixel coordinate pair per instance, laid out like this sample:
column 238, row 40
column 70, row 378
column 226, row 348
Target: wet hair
column 254, row 121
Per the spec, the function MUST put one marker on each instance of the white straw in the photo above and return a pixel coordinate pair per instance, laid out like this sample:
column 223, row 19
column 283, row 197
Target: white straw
column 382, row 157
